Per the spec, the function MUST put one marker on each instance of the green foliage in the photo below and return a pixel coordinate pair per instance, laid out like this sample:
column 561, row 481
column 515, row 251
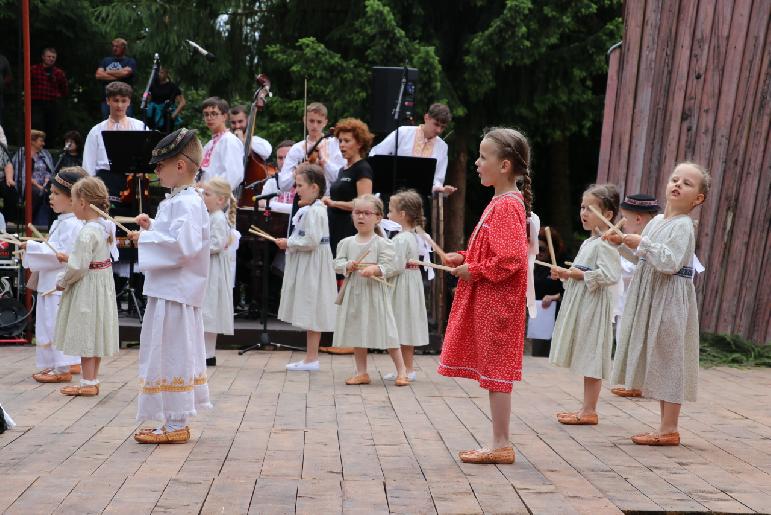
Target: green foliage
column 733, row 351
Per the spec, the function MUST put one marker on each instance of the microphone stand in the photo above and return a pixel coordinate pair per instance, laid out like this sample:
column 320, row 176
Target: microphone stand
column 397, row 114
column 61, row 158
column 264, row 336
column 150, row 80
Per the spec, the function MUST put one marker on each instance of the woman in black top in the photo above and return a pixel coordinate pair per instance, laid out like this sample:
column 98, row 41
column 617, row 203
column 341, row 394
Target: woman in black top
column 73, row 141
column 166, row 102
column 353, row 180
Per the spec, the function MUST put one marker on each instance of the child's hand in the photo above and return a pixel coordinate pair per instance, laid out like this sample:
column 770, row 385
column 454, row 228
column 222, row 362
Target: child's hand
column 612, row 236
column 143, row 220
column 62, row 257
column 134, row 235
column 632, row 240
column 547, row 300
column 281, row 243
column 453, row 259
column 22, row 245
column 350, row 266
column 59, row 287
column 370, row 271
column 558, row 272
column 462, row 272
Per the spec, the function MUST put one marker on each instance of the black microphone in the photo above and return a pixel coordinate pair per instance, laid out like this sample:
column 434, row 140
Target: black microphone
column 257, row 183
column 265, row 197
column 195, row 46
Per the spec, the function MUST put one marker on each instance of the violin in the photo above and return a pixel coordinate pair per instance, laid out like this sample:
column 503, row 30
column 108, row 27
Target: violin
column 313, row 154
column 255, row 168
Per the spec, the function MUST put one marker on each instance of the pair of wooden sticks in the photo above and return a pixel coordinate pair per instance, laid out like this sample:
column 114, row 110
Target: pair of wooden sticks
column 262, row 234
column 357, row 262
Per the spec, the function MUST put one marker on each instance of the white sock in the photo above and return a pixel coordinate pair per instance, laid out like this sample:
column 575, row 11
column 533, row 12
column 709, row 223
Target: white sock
column 176, row 424
column 210, row 340
column 62, row 370
column 89, row 382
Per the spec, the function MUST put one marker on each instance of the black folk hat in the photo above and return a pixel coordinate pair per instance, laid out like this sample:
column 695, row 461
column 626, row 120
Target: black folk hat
column 172, row 145
column 641, row 203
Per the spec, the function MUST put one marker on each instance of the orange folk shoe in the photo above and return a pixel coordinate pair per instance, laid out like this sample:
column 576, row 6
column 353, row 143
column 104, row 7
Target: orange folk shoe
column 574, row 419
column 669, row 439
column 502, row 455
column 402, row 381
column 81, row 391
column 358, row 379
column 52, row 377
column 75, row 369
column 623, row 392
column 178, row 436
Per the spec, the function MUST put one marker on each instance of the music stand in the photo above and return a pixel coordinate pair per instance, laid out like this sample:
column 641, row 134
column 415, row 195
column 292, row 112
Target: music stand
column 129, row 152
column 393, row 173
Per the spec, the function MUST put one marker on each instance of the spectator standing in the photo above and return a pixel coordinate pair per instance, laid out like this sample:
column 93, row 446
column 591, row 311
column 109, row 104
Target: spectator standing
column 42, row 170
column 49, row 84
column 117, row 67
column 166, row 102
column 73, row 156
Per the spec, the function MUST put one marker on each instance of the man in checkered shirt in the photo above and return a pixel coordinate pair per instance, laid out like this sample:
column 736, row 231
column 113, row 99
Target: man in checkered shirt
column 49, row 84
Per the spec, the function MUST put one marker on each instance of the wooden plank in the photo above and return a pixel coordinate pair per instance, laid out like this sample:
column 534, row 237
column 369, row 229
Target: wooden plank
column 663, row 81
column 608, row 117
column 641, row 114
column 725, row 150
column 744, row 167
column 675, row 103
column 634, row 14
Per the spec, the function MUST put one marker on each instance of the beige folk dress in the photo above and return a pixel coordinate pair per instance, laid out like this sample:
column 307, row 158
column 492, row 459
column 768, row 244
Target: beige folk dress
column 87, row 322
column 309, row 289
column 407, row 297
column 658, row 351
column 365, row 318
column 217, row 309
column 583, row 332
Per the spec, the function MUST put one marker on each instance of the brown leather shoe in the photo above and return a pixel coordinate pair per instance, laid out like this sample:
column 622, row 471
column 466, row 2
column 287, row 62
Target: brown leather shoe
column 81, row 391
column 574, row 419
column 74, row 369
column 52, row 377
column 178, row 436
column 336, row 350
column 623, row 392
column 402, row 381
column 502, row 455
column 358, row 379
column 656, row 439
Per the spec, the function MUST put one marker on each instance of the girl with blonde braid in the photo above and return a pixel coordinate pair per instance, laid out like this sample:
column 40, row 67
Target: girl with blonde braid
column 217, row 308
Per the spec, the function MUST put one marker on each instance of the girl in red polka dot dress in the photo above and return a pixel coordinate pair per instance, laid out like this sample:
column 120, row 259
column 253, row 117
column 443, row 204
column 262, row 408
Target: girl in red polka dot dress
column 486, row 330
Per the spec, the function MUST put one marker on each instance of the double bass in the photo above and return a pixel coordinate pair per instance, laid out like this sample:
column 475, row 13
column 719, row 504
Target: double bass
column 255, row 168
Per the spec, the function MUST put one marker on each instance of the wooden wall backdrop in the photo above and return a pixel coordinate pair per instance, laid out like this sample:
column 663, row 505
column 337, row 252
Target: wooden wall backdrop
column 691, row 81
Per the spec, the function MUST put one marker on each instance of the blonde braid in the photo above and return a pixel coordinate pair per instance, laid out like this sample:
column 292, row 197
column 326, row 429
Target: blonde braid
column 232, row 209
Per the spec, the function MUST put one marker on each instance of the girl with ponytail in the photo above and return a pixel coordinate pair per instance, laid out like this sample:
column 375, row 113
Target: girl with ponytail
column 485, row 334
column 217, row 308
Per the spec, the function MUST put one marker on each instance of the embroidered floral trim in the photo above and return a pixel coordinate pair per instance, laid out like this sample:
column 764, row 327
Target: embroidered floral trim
column 176, row 384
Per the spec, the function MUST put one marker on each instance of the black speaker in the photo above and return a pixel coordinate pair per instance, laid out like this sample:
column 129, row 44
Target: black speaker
column 386, row 82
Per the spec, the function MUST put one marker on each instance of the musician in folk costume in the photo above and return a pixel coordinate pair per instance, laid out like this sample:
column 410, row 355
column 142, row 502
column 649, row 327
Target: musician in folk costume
column 223, row 155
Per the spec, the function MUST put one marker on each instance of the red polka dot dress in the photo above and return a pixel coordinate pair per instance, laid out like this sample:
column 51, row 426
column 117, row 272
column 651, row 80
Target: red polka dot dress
column 485, row 334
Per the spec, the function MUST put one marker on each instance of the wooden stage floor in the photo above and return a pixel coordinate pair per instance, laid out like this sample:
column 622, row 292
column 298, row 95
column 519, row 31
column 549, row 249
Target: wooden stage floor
column 280, row 442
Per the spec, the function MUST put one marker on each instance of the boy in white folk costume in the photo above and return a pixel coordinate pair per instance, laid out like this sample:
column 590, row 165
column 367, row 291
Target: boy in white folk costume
column 174, row 255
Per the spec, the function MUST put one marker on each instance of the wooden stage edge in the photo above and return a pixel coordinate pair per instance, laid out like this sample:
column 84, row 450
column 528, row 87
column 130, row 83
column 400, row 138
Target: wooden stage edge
column 298, row 442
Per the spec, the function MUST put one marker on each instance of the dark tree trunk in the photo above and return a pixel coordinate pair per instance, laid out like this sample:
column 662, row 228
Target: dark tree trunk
column 455, row 210
column 556, row 209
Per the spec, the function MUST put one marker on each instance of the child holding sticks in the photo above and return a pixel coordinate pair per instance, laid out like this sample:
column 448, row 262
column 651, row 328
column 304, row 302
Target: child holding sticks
column 583, row 333
column 309, row 288
column 365, row 319
column 217, row 310
column 485, row 334
column 48, row 259
column 174, row 255
column 658, row 352
column 408, row 298
column 87, row 321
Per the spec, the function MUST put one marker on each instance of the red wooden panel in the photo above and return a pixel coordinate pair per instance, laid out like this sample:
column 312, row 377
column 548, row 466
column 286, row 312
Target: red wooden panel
column 696, row 69
column 622, row 126
column 718, row 97
column 642, row 107
column 685, row 31
column 743, row 162
column 662, row 82
column 609, row 112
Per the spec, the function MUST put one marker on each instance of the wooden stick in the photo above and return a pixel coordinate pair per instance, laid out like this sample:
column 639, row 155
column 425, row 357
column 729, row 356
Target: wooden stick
column 125, row 219
column 9, row 238
column 569, row 263
column 49, row 292
column 547, row 230
column 108, row 217
column 37, row 233
column 547, row 265
column 31, row 238
column 606, row 221
column 439, row 252
column 262, row 234
column 431, row 265
column 359, row 259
